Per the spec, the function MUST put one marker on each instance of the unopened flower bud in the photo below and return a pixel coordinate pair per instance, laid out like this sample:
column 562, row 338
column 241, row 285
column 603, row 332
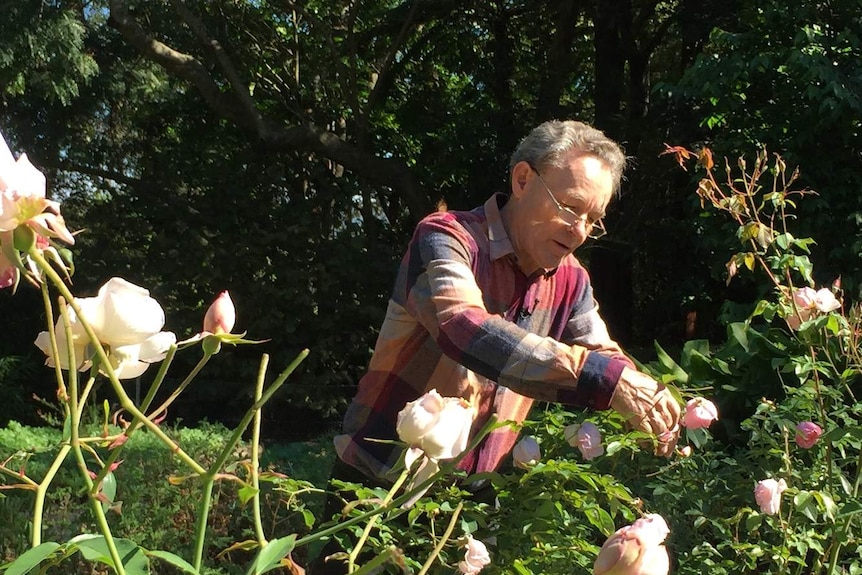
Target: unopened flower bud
column 221, row 315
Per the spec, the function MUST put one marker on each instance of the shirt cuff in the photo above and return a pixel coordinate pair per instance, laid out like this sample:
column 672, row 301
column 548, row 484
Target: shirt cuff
column 596, row 383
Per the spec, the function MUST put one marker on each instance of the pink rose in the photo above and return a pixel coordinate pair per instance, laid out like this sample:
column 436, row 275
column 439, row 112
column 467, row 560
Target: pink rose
column 636, row 549
column 804, row 298
column 825, row 301
column 807, row 434
column 767, row 493
column 526, row 452
column 586, row 437
column 475, row 558
column 808, row 301
column 699, row 413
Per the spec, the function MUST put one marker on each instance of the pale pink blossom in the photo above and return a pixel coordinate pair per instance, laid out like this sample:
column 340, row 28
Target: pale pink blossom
column 439, row 426
column 699, row 413
column 434, row 427
column 126, row 321
column 767, row 493
column 804, row 297
column 221, row 315
column 475, row 558
column 526, row 452
column 8, row 272
column 22, row 198
column 825, row 300
column 685, row 451
column 586, row 437
column 808, row 301
column 807, row 434
column 636, row 549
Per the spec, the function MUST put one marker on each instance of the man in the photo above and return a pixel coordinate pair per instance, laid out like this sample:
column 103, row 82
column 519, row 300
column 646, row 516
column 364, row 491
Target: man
column 491, row 305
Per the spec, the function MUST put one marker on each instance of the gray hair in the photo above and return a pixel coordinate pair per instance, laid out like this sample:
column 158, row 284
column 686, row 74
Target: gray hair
column 547, row 143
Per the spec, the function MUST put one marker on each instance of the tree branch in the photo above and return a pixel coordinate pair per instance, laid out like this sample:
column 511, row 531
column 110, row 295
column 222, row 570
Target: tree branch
column 388, row 172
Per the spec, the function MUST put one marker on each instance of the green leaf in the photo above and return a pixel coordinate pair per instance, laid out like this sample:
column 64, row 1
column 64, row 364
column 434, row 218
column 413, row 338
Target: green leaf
column 270, row 557
column 827, row 503
column 753, row 521
column 739, row 332
column 849, row 508
column 521, row 568
column 601, row 519
column 246, row 492
column 174, row 560
column 669, row 364
column 31, row 558
column 832, row 324
column 109, row 490
column 308, row 518
column 837, row 433
column 95, row 548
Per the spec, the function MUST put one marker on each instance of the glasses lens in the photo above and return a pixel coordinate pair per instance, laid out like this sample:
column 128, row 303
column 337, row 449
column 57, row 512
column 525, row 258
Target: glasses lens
column 598, row 230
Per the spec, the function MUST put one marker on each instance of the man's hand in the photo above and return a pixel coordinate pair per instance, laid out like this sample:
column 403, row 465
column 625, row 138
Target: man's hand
column 648, row 406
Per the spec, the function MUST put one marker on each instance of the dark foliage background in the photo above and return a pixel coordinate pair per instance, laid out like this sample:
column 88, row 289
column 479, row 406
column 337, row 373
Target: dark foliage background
column 283, row 151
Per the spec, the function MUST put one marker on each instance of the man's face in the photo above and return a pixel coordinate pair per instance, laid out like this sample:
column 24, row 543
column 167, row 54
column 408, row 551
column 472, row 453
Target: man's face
column 556, row 208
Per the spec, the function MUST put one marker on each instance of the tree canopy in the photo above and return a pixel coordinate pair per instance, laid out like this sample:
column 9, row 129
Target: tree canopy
column 284, row 150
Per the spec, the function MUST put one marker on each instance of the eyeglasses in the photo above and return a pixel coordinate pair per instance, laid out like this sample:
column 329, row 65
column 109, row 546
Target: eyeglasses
column 595, row 228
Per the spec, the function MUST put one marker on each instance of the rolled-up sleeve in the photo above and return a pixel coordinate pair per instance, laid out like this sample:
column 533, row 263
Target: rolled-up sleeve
column 441, row 291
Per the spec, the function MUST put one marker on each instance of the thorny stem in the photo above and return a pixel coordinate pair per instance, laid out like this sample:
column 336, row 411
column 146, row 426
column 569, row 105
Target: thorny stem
column 75, row 444
column 185, row 383
column 208, row 476
column 446, row 534
column 354, row 553
column 115, row 453
column 42, row 491
column 58, row 371
column 255, row 455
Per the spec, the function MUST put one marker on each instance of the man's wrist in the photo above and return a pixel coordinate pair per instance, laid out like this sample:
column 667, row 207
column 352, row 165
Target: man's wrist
column 596, row 382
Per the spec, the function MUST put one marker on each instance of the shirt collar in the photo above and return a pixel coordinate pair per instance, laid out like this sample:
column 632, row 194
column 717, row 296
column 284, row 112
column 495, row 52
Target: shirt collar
column 498, row 238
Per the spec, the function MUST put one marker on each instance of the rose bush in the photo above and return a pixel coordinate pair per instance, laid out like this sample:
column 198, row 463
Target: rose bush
column 555, row 512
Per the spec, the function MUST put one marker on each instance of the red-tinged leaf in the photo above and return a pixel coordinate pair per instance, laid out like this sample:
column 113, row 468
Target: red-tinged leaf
column 229, row 477
column 120, row 440
column 704, row 158
column 680, row 153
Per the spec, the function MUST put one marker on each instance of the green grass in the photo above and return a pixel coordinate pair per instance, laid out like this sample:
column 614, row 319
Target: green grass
column 155, row 513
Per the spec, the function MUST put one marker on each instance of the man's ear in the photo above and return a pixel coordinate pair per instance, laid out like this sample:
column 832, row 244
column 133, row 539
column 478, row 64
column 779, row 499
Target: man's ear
column 520, row 177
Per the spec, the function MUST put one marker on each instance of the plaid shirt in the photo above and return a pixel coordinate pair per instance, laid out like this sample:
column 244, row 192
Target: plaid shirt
column 464, row 319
